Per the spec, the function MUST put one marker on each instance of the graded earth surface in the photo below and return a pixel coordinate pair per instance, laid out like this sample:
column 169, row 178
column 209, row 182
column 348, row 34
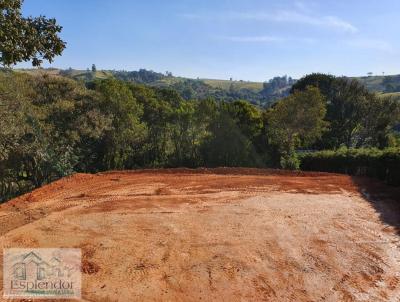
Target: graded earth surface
column 217, row 234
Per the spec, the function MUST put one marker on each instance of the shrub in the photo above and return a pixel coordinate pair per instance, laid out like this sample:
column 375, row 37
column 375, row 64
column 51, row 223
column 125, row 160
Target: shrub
column 381, row 164
column 290, row 161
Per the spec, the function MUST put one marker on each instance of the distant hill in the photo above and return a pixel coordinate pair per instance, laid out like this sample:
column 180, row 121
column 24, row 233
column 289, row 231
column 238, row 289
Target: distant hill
column 226, row 84
column 71, row 73
column 385, row 84
column 396, row 94
column 259, row 93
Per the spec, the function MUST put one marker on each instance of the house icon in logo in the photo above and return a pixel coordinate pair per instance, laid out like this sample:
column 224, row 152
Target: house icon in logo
column 32, row 267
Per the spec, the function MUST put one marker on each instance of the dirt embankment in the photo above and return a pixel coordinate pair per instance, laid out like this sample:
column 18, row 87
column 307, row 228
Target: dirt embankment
column 218, row 234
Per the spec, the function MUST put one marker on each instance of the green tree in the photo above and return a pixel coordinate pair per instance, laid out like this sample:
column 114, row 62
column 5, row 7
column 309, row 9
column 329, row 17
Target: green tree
column 379, row 119
column 27, row 39
column 320, row 80
column 74, row 117
column 47, row 128
column 189, row 131
column 230, row 131
column 248, row 118
column 127, row 132
column 296, row 121
column 356, row 116
column 158, row 107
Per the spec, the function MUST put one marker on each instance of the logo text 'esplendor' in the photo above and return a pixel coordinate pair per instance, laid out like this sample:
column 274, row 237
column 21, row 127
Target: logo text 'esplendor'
column 42, row 273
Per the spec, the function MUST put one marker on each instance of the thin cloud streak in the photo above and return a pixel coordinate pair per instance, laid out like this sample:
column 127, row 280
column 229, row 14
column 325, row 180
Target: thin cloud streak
column 282, row 16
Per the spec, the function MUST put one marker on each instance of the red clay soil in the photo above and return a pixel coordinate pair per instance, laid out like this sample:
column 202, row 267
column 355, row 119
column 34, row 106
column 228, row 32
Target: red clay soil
column 217, row 234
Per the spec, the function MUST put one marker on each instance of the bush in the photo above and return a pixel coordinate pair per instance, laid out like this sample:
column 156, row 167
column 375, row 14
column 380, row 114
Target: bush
column 290, row 162
column 381, row 164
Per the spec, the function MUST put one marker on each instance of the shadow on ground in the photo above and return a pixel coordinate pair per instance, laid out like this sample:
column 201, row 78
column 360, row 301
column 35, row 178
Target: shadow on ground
column 385, row 199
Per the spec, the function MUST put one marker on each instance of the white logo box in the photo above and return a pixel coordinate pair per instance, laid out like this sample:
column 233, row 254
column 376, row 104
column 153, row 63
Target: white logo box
column 53, row 273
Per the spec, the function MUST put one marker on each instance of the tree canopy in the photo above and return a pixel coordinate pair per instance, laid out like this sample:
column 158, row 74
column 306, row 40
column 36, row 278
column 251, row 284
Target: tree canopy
column 297, row 121
column 356, row 116
column 27, row 38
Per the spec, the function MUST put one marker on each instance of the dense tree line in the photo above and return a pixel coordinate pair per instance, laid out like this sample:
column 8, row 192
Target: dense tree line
column 142, row 76
column 53, row 126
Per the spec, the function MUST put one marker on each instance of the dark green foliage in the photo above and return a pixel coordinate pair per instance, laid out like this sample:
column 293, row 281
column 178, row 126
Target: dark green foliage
column 230, row 140
column 381, row 164
column 296, row 122
column 391, row 83
column 27, row 39
column 47, row 129
column 277, row 88
column 322, row 81
column 126, row 133
column 142, row 76
column 290, row 161
column 356, row 117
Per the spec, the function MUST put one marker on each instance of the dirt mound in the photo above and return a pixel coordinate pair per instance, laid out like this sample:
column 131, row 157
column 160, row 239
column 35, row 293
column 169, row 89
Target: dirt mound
column 217, row 234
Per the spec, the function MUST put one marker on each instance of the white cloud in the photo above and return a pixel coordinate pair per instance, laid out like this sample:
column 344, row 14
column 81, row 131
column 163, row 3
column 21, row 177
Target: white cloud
column 371, row 44
column 283, row 16
column 339, row 23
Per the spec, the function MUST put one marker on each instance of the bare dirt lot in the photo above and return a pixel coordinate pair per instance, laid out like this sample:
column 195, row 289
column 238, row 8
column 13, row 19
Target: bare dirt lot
column 218, row 234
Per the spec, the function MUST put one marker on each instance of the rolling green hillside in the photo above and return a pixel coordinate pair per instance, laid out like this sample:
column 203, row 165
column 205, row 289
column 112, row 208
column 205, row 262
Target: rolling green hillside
column 226, row 84
column 387, row 84
column 72, row 73
column 394, row 94
column 259, row 93
column 373, row 83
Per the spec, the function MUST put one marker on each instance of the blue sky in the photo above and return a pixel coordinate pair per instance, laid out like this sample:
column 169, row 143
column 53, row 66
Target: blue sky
column 242, row 39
